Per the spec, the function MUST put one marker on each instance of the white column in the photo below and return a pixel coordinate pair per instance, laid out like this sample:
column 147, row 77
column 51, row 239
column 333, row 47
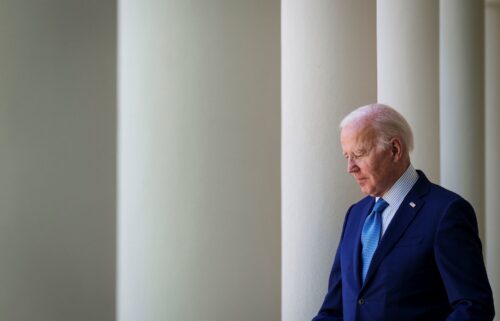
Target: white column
column 328, row 69
column 57, row 163
column 462, row 100
column 199, row 160
column 492, row 145
column 408, row 72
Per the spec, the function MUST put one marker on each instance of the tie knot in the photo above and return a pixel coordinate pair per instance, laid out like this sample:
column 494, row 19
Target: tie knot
column 380, row 205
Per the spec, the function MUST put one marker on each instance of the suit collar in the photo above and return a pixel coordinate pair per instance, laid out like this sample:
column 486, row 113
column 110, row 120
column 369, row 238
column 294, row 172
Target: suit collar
column 422, row 186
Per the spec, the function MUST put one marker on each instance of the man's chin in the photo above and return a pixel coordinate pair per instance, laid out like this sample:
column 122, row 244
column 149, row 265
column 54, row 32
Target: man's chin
column 363, row 186
column 366, row 190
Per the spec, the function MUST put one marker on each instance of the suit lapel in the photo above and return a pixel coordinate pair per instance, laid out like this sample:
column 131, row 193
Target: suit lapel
column 402, row 219
column 365, row 211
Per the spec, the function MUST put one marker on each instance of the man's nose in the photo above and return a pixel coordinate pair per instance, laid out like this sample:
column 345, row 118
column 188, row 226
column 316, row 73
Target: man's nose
column 351, row 165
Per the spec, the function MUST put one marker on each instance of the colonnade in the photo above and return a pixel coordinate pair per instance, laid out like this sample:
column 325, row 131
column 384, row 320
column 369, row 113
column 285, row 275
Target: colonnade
column 194, row 171
column 430, row 66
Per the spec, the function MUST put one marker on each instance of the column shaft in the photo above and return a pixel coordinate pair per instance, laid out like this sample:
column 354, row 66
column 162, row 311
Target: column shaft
column 57, row 163
column 408, row 72
column 329, row 68
column 492, row 144
column 462, row 100
column 199, row 160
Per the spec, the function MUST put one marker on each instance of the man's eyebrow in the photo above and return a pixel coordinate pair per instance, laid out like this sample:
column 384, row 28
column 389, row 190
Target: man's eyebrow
column 360, row 150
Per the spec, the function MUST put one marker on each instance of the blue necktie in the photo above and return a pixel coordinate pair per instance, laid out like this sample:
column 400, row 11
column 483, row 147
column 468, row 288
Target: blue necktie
column 370, row 236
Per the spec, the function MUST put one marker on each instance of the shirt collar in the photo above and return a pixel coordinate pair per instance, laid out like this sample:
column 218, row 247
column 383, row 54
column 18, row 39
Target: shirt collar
column 396, row 194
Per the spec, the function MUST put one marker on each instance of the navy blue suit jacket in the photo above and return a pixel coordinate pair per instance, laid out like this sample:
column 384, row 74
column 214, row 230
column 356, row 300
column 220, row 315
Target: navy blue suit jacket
column 428, row 265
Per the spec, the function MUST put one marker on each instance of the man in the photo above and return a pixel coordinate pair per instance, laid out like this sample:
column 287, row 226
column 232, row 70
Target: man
column 410, row 249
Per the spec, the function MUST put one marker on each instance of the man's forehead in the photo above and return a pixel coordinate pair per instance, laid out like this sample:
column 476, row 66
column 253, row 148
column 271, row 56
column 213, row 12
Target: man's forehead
column 359, row 133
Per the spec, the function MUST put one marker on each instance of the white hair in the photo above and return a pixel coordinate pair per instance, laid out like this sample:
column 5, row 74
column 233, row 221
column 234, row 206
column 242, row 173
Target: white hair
column 386, row 122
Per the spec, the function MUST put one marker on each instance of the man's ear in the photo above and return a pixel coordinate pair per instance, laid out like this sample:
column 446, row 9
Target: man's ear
column 396, row 148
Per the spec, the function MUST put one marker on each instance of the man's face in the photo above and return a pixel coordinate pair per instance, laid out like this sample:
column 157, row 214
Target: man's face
column 373, row 168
